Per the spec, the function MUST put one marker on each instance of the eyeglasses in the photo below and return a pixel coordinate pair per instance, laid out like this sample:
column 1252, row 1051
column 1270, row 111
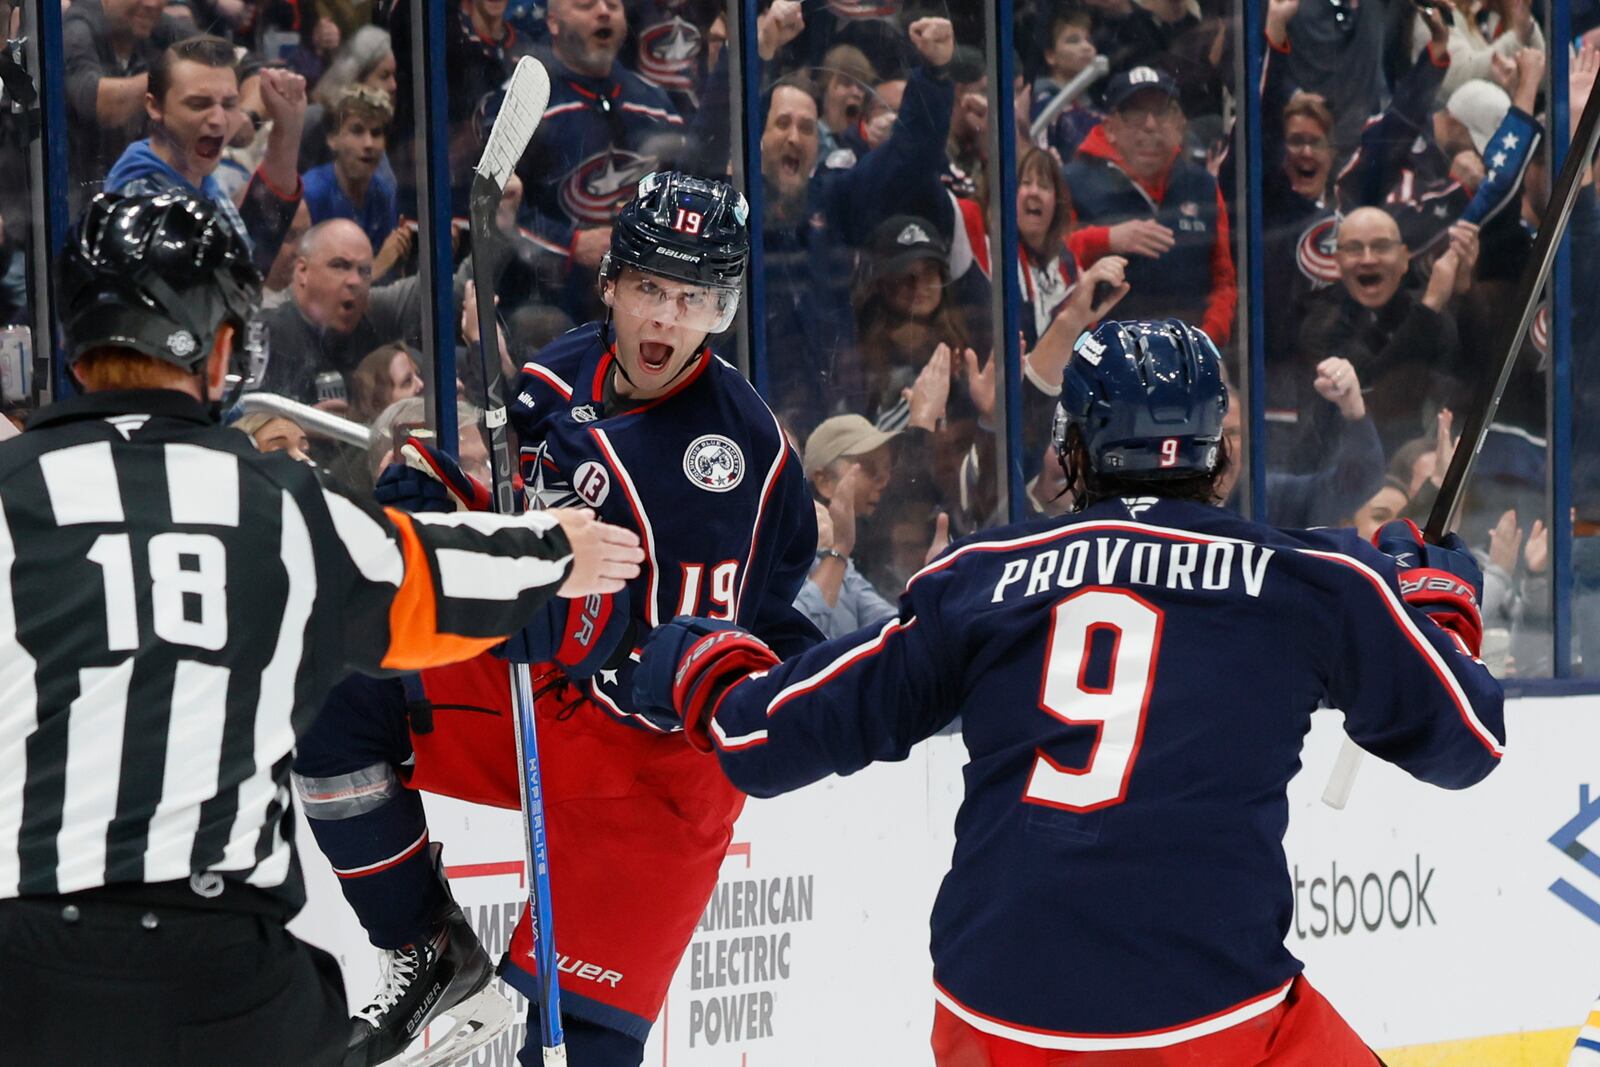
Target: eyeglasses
column 1302, row 143
column 1383, row 246
column 696, row 307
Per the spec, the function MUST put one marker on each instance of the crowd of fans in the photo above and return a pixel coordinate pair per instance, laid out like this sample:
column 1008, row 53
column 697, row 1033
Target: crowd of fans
column 1404, row 177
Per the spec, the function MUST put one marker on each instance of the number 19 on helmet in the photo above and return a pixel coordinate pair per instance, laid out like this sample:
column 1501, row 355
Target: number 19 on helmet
column 680, row 228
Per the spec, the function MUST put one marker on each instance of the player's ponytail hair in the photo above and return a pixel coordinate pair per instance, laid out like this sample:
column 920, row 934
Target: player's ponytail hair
column 1201, row 488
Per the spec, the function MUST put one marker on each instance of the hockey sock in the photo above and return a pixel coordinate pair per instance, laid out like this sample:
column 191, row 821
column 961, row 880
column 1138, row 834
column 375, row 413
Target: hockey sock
column 375, row 834
column 588, row 1044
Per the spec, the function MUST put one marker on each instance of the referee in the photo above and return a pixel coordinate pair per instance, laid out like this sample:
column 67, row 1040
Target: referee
column 173, row 609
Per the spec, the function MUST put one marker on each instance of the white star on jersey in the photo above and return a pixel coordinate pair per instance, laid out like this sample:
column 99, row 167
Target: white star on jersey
column 546, row 489
column 681, row 43
column 613, row 177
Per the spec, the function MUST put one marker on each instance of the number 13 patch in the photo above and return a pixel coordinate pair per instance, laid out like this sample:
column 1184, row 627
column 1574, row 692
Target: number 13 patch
column 592, row 482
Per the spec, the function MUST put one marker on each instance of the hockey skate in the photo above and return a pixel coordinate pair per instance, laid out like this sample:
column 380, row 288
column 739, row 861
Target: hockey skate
column 434, row 1003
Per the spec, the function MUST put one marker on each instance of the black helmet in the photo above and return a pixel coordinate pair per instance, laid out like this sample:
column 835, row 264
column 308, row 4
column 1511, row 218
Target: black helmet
column 161, row 275
column 678, row 226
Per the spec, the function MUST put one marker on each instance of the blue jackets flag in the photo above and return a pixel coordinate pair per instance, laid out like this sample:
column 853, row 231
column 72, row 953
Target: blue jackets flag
column 1125, row 788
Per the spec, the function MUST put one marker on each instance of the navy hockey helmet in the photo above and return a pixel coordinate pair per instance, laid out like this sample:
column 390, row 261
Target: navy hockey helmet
column 690, row 229
column 160, row 274
column 1147, row 397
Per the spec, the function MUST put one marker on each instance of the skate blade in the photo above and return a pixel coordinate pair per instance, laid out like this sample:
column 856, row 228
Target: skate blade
column 466, row 1027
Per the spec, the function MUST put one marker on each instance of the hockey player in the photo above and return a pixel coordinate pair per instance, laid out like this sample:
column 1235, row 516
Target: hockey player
column 1133, row 705
column 174, row 606
column 634, row 417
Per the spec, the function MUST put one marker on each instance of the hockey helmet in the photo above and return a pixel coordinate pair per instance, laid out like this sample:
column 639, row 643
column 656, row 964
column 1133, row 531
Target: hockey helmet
column 1147, row 397
column 690, row 229
column 161, row 274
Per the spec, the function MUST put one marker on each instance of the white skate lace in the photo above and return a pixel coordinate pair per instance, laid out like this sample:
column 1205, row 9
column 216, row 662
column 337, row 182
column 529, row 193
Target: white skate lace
column 397, row 970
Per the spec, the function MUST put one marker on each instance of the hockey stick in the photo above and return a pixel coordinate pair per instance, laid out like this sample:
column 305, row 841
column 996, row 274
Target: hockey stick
column 1071, row 91
column 527, row 95
column 1534, row 275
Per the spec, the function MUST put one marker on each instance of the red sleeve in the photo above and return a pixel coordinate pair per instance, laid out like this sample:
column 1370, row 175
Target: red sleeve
column 1089, row 243
column 1224, row 299
column 977, row 235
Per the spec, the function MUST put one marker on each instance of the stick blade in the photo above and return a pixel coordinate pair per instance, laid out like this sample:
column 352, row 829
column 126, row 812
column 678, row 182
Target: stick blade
column 527, row 96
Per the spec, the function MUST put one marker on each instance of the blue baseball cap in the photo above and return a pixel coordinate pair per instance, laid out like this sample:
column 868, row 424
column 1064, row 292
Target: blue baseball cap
column 1126, row 84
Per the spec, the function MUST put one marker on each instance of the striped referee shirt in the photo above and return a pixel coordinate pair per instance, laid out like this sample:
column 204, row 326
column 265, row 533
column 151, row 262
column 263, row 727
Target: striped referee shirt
column 175, row 608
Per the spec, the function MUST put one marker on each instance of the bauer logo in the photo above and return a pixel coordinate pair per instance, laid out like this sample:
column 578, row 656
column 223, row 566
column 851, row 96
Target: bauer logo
column 714, row 463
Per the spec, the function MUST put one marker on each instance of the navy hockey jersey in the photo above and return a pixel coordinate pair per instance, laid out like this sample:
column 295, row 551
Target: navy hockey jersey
column 704, row 475
column 1134, row 685
column 598, row 137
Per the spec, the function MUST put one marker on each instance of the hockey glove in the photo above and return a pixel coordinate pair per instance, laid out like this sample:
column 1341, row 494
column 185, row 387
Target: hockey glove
column 426, row 479
column 688, row 665
column 1443, row 581
column 584, row 636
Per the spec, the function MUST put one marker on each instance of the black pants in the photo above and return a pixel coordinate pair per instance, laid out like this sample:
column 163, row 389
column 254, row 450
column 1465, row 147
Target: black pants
column 93, row 982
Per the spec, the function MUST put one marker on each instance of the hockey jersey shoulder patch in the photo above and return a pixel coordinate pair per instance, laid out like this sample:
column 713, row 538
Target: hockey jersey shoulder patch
column 714, row 463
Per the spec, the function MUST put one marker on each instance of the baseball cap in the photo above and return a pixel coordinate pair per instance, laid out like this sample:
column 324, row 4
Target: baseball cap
column 843, row 436
column 1125, row 84
column 901, row 240
column 1480, row 106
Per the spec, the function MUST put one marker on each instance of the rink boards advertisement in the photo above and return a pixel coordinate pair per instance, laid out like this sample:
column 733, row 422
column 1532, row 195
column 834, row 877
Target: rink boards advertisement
column 1456, row 928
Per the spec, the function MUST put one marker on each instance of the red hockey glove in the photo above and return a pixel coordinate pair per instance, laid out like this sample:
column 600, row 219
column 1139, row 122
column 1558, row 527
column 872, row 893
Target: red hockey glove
column 687, row 667
column 425, row 479
column 584, row 636
column 1449, row 601
column 1444, row 581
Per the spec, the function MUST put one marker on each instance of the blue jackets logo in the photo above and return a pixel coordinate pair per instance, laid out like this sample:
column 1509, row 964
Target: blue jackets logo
column 714, row 463
column 597, row 187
